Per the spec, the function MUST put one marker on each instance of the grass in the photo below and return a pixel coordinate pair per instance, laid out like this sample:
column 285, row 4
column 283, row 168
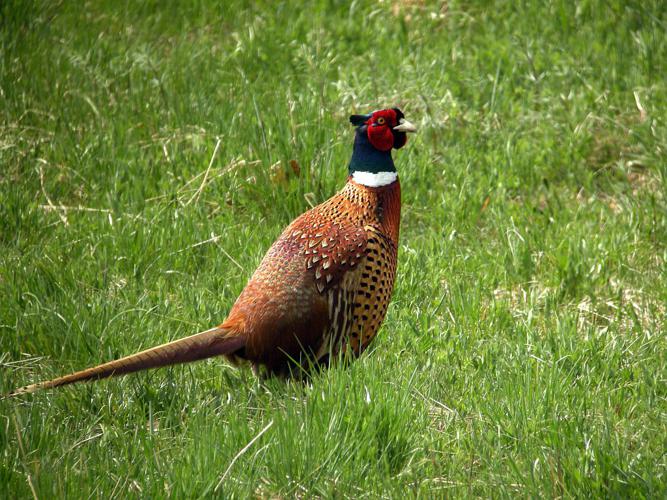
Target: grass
column 524, row 353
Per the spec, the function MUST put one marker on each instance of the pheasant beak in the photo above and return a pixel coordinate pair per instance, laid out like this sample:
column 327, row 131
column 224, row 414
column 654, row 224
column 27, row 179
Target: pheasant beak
column 405, row 126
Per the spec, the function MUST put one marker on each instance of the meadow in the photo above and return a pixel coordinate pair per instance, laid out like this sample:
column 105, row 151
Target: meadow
column 150, row 152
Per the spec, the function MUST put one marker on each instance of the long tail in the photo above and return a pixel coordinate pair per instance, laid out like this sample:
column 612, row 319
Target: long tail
column 213, row 342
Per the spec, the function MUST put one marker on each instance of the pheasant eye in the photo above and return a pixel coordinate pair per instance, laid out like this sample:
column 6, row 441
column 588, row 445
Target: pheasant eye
column 381, row 121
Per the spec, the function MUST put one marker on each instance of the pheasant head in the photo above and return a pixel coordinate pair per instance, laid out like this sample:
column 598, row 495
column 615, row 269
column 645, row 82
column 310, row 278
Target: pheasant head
column 377, row 133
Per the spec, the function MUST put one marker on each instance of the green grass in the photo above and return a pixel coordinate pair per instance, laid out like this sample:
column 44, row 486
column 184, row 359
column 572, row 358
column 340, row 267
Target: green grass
column 524, row 353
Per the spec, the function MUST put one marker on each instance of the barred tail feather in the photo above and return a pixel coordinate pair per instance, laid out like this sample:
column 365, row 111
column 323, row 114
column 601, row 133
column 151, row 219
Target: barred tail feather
column 213, row 342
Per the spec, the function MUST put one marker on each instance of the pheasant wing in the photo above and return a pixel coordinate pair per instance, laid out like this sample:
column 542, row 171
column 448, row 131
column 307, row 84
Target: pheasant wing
column 330, row 248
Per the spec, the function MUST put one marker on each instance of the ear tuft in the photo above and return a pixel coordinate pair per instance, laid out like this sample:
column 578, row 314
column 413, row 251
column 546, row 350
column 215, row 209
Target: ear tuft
column 358, row 120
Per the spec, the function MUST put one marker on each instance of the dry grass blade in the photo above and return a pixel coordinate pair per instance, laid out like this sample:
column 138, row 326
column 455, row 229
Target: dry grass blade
column 62, row 216
column 197, row 193
column 241, row 452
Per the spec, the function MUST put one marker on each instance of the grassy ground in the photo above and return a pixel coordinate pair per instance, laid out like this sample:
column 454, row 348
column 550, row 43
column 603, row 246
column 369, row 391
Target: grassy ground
column 524, row 353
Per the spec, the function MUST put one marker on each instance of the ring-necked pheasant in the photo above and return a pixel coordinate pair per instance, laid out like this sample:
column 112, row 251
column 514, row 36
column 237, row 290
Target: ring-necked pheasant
column 323, row 287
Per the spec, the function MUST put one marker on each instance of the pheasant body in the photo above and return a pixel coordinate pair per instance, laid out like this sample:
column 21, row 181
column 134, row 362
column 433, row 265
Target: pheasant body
column 323, row 287
column 325, row 284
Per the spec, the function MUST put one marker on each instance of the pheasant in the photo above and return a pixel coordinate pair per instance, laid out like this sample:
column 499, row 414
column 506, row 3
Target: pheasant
column 323, row 288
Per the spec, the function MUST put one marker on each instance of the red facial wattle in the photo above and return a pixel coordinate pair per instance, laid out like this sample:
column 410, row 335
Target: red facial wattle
column 381, row 137
column 379, row 130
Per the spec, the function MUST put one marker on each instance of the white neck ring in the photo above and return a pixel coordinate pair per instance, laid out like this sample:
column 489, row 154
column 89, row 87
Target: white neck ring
column 374, row 179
